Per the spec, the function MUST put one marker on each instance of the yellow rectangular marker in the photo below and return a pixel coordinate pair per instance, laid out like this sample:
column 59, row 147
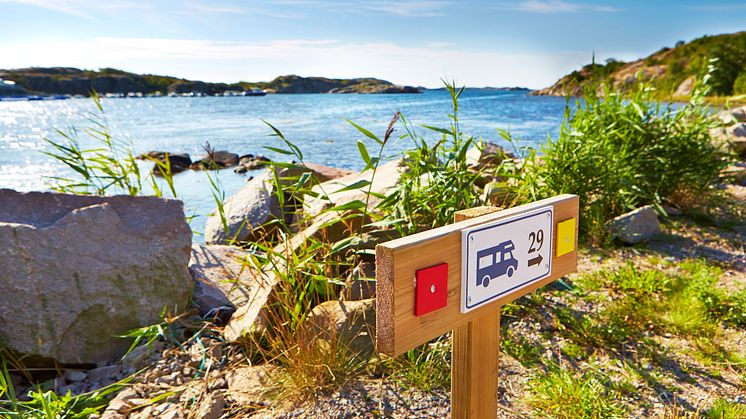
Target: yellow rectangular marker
column 565, row 237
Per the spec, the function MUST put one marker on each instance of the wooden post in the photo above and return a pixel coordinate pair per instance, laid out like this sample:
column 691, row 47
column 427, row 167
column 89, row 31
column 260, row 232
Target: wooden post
column 475, row 356
column 423, row 292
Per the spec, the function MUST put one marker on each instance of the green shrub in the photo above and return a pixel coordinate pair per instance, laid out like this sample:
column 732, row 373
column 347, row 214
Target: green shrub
column 619, row 153
column 739, row 85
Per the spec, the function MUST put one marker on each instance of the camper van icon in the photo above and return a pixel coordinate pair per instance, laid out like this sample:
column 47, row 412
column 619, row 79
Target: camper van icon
column 495, row 261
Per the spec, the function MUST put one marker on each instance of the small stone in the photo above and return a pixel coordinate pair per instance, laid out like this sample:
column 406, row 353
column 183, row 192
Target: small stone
column 219, row 383
column 138, row 357
column 166, row 379
column 212, row 406
column 75, row 375
column 111, row 414
column 104, row 373
column 636, row 226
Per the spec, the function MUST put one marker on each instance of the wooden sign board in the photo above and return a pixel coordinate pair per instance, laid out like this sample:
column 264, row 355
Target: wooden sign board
column 533, row 235
column 458, row 277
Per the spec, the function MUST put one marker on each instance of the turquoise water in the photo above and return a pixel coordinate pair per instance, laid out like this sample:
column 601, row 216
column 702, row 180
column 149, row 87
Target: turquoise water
column 316, row 123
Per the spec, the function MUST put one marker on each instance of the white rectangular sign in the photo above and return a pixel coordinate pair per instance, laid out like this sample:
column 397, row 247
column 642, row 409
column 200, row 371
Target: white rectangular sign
column 504, row 256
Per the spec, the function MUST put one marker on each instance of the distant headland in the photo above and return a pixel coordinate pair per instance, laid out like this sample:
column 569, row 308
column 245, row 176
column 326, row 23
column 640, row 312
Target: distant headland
column 113, row 82
column 672, row 71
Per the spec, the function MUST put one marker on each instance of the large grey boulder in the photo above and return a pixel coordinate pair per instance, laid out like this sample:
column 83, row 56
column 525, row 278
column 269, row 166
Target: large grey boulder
column 79, row 270
column 635, row 226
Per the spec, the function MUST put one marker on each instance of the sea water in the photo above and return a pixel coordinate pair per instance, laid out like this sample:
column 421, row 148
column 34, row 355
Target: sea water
column 316, row 123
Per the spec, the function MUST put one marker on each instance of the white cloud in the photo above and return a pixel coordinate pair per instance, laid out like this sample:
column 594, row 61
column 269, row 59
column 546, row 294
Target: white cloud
column 81, row 8
column 556, row 6
column 254, row 61
column 405, row 8
column 719, row 7
column 400, row 8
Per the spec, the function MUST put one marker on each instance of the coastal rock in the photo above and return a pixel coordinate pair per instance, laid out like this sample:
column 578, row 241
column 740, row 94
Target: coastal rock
column 245, row 212
column 353, row 323
column 254, row 205
column 216, row 160
column 178, row 162
column 736, row 173
column 737, row 138
column 250, row 162
column 739, row 114
column 222, row 277
column 251, row 317
column 486, row 154
column 686, row 87
column 80, row 270
column 331, row 193
column 324, row 173
column 635, row 226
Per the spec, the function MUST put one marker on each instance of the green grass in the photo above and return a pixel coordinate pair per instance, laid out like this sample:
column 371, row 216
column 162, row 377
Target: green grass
column 427, row 367
column 722, row 409
column 559, row 393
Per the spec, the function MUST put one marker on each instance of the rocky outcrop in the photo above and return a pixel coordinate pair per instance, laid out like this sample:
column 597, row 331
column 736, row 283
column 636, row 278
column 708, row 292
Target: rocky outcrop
column 80, row 270
column 635, row 226
column 324, row 173
column 374, row 89
column 349, row 323
column 252, row 318
column 686, row 87
column 664, row 69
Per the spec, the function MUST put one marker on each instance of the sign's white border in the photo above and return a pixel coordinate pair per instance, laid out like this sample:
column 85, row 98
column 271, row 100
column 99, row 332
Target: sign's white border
column 465, row 254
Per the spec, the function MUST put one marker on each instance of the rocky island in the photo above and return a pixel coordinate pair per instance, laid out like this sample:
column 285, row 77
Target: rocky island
column 73, row 81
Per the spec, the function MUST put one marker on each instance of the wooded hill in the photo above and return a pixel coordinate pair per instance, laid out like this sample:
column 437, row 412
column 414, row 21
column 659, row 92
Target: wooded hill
column 671, row 71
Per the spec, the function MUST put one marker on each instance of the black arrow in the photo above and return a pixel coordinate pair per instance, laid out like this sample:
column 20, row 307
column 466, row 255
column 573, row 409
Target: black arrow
column 535, row 261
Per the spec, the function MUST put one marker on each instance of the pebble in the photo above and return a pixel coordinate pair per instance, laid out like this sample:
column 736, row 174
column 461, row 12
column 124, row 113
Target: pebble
column 75, row 375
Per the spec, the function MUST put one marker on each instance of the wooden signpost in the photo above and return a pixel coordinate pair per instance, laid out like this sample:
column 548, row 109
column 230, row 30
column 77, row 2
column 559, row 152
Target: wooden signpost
column 457, row 277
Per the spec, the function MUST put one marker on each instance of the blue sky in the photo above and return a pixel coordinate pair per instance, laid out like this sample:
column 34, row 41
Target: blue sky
column 478, row 43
